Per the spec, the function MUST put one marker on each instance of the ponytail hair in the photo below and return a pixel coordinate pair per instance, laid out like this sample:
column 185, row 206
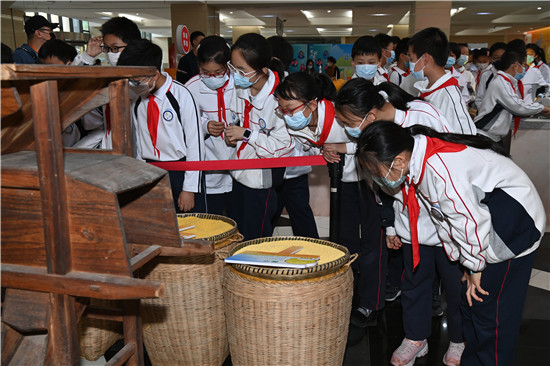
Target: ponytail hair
column 305, row 87
column 257, row 53
column 358, row 96
column 381, row 141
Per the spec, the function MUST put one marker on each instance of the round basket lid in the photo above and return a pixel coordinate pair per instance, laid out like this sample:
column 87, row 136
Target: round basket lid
column 215, row 236
column 286, row 274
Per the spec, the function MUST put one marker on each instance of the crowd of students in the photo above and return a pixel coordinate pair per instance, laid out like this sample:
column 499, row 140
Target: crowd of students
column 436, row 187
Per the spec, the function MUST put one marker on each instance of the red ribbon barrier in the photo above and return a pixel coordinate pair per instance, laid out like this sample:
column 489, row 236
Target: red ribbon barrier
column 241, row 164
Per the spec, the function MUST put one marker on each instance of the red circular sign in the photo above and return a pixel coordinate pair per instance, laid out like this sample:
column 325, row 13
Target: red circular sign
column 185, row 40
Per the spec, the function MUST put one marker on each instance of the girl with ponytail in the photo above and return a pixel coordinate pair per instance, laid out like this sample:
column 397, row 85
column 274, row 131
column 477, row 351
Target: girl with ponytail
column 487, row 214
column 359, row 104
column 257, row 132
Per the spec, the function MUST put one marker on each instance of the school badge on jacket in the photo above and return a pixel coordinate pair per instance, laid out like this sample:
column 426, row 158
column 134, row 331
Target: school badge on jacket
column 263, row 127
column 168, row 115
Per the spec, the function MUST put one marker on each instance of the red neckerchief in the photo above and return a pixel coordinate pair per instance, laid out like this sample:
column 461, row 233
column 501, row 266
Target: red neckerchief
column 248, row 107
column 153, row 116
column 327, row 125
column 404, row 74
column 452, row 81
column 221, row 104
column 433, row 146
column 385, row 74
column 521, row 92
column 539, row 65
column 108, row 118
column 478, row 77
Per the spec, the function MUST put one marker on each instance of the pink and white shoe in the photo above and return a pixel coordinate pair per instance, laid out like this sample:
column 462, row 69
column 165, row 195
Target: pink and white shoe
column 408, row 351
column 453, row 354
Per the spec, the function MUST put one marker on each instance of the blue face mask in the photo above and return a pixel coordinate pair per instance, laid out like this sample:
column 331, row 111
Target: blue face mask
column 298, row 121
column 521, row 74
column 462, row 60
column 391, row 184
column 390, row 59
column 243, row 81
column 450, row 62
column 213, row 82
column 366, row 71
column 417, row 74
column 356, row 131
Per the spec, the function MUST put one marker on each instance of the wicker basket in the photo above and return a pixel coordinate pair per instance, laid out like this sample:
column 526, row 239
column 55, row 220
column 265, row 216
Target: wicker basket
column 97, row 335
column 296, row 320
column 187, row 325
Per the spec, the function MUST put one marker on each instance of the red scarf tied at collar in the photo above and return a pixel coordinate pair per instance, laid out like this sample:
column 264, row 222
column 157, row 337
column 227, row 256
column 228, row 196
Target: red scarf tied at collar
column 433, row 146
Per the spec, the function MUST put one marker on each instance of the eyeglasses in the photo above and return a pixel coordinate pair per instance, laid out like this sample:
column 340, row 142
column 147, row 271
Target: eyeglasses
column 114, row 49
column 135, row 82
column 280, row 112
column 240, row 72
column 218, row 75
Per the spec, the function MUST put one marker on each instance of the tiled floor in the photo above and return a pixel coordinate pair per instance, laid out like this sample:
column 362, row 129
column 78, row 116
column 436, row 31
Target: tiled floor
column 374, row 345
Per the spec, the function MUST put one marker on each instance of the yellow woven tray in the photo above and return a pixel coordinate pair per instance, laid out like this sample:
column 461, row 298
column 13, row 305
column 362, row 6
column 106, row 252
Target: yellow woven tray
column 214, row 228
column 329, row 262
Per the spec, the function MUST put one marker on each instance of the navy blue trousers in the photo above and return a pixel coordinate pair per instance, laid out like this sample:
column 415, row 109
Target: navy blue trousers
column 491, row 327
column 293, row 194
column 416, row 292
column 395, row 267
column 254, row 210
column 220, row 204
column 361, row 232
column 176, row 182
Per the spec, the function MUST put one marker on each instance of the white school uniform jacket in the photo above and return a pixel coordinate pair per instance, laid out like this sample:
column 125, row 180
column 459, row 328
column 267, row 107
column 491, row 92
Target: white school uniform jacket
column 419, row 113
column 336, row 135
column 482, row 83
column 449, row 101
column 397, row 75
column 176, row 139
column 470, row 78
column 485, row 207
column 545, row 70
column 381, row 76
column 462, row 85
column 269, row 137
column 532, row 80
column 501, row 102
column 216, row 148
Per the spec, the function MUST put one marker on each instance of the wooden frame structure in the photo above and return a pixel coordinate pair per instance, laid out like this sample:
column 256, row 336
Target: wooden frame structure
column 76, row 224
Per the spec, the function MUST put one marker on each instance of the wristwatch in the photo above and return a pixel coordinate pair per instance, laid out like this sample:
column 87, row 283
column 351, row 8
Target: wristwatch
column 246, row 135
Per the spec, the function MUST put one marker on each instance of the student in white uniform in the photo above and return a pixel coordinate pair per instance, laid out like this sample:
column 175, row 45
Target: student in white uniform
column 365, row 59
column 459, row 66
column 387, row 102
column 450, row 66
column 257, row 132
column 503, row 99
column 306, row 100
column 487, row 213
column 534, row 82
column 167, row 124
column 539, row 60
column 401, row 69
column 116, row 34
column 488, row 71
column 213, row 89
column 428, row 53
column 388, row 54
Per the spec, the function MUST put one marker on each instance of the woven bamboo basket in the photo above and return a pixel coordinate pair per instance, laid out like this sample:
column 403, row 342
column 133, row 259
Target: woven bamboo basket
column 276, row 318
column 187, row 325
column 97, row 335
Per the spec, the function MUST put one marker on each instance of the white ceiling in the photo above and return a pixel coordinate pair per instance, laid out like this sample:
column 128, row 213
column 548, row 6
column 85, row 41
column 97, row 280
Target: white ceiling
column 316, row 18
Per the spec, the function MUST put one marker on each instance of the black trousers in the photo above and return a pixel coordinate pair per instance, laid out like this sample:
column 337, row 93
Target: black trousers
column 361, row 232
column 254, row 210
column 417, row 290
column 491, row 327
column 176, row 182
column 294, row 195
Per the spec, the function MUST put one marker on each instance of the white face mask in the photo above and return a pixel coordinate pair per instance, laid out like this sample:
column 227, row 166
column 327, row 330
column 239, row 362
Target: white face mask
column 113, row 57
column 142, row 89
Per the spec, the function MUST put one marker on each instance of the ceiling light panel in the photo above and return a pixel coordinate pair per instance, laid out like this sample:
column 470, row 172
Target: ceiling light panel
column 240, row 18
column 335, row 17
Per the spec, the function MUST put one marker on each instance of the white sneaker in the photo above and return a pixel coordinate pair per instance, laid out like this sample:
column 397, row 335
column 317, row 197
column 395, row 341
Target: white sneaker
column 454, row 354
column 408, row 351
